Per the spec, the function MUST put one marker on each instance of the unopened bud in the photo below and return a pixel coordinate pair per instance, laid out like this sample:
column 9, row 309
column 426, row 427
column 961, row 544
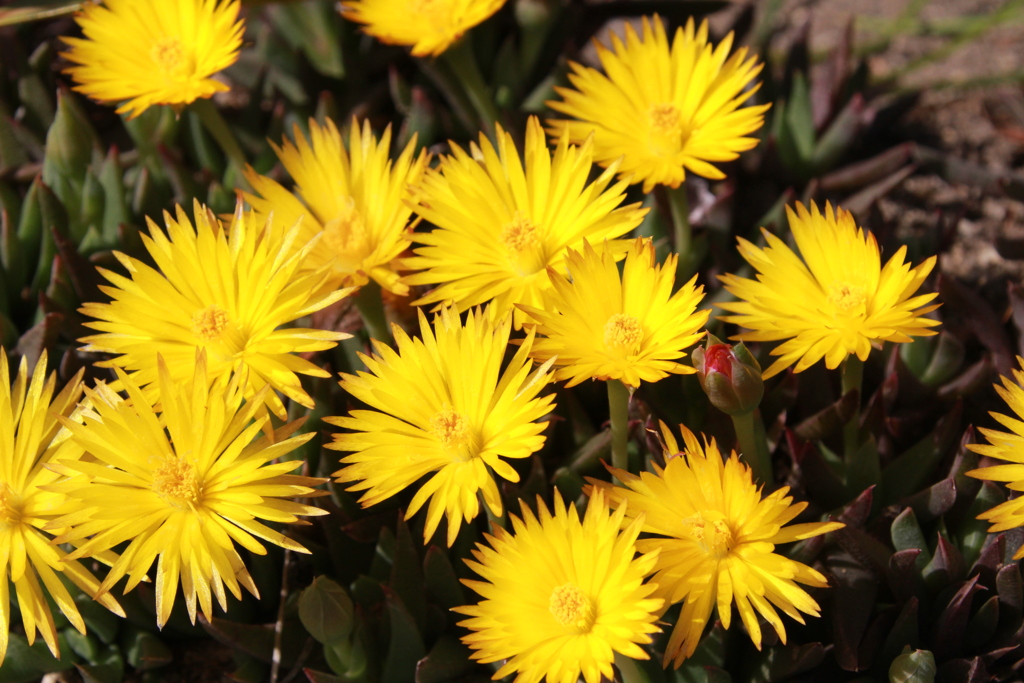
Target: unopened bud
column 729, row 375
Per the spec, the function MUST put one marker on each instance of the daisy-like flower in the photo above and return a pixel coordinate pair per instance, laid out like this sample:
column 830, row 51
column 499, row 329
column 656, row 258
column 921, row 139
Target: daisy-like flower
column 353, row 198
column 501, row 225
column 441, row 405
column 429, row 26
column 716, row 536
column 1008, row 446
column 189, row 484
column 30, row 440
column 561, row 596
column 600, row 326
column 838, row 300
column 146, row 52
column 226, row 291
column 663, row 109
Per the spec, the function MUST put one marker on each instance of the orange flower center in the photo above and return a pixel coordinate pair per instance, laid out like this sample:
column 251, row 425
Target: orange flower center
column 172, row 59
column 571, row 608
column 668, row 132
column 451, row 428
column 208, row 323
column 10, row 506
column 845, row 296
column 623, row 333
column 177, row 483
column 712, row 533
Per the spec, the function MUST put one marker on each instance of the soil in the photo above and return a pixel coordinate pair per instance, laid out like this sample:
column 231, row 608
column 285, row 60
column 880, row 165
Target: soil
column 971, row 106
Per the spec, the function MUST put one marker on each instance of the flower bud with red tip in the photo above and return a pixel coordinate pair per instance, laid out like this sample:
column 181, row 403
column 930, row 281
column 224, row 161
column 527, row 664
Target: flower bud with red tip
column 729, row 375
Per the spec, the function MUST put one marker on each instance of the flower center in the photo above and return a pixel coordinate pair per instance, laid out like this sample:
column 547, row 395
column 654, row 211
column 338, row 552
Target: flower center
column 451, row 428
column 519, row 235
column 571, row 608
column 172, row 59
column 346, row 239
column 176, row 482
column 711, row 532
column 845, row 296
column 209, row 322
column 10, row 506
column 668, row 134
column 622, row 332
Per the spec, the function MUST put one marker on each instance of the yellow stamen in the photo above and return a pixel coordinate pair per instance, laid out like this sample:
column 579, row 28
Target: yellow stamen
column 713, row 535
column 571, row 608
column 519, row 234
column 174, row 63
column 845, row 296
column 209, row 322
column 623, row 332
column 177, row 482
column 345, row 236
column 668, row 134
column 451, row 428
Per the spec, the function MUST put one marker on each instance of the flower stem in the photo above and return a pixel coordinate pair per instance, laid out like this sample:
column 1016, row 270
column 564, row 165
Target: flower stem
column 618, row 408
column 371, row 308
column 218, row 128
column 853, row 378
column 679, row 206
column 461, row 60
column 754, row 444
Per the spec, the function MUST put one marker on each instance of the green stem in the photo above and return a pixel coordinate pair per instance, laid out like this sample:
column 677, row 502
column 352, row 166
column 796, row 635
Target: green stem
column 618, row 408
column 371, row 308
column 218, row 128
column 852, row 378
column 461, row 60
column 754, row 444
column 679, row 207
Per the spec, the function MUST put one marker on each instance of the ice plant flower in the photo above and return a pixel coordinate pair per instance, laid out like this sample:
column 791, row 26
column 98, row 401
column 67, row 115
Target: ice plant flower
column 561, row 596
column 836, row 301
column 1007, row 446
column 146, row 52
column 30, row 439
column 429, row 26
column 664, row 109
column 599, row 325
column 353, row 198
column 441, row 405
column 188, row 484
column 716, row 536
column 501, row 224
column 224, row 290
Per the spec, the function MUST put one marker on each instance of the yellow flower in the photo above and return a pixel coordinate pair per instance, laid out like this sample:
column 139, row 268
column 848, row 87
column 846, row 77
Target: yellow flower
column 716, row 536
column 1008, row 446
column 500, row 226
column 30, row 442
column 561, row 596
column 837, row 301
column 442, row 405
column 188, row 485
column 353, row 198
column 663, row 109
column 153, row 51
column 429, row 26
column 633, row 328
column 224, row 291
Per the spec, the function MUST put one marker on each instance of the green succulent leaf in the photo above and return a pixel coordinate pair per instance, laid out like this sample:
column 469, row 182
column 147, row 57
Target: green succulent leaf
column 913, row 667
column 326, row 611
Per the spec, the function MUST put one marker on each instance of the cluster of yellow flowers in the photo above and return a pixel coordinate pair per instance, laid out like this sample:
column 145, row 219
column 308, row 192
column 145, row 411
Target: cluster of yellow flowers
column 184, row 439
